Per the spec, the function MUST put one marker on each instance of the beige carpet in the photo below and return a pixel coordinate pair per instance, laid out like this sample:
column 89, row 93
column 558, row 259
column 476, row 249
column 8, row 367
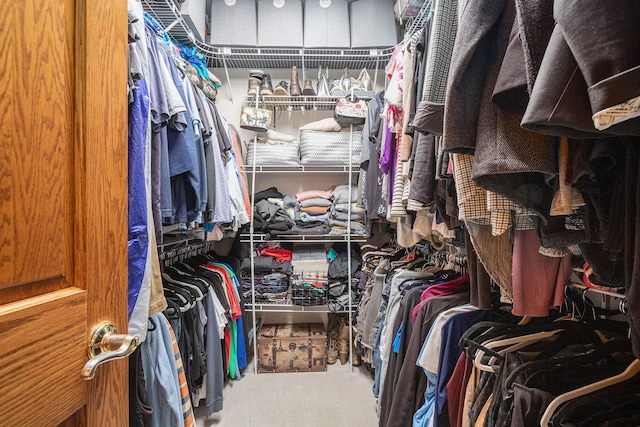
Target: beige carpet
column 336, row 398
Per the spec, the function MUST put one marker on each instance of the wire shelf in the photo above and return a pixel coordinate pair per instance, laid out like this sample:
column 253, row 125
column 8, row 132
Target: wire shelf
column 416, row 23
column 169, row 16
column 289, row 307
column 305, row 103
column 257, row 238
column 301, row 168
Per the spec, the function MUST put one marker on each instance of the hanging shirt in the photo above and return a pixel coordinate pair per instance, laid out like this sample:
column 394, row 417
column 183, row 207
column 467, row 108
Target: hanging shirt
column 138, row 238
column 161, row 375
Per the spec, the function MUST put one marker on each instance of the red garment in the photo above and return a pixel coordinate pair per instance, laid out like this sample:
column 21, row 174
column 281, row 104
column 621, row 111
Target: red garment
column 538, row 280
column 227, row 348
column 441, row 289
column 456, row 389
column 234, row 304
column 281, row 255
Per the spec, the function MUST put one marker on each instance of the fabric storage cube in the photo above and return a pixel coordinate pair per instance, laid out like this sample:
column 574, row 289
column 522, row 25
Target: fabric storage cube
column 326, row 27
column 233, row 25
column 329, row 148
column 292, row 348
column 373, row 24
column 280, row 27
column 272, row 154
column 194, row 14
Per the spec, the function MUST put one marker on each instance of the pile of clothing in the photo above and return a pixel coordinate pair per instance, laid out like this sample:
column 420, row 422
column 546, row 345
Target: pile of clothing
column 309, row 213
column 271, row 271
column 344, row 211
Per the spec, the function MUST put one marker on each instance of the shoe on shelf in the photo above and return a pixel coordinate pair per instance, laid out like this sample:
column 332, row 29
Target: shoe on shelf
column 281, row 89
column 307, row 90
column 255, row 78
column 254, row 84
column 256, row 74
column 282, row 92
column 345, row 80
column 294, row 86
column 323, row 83
column 266, row 88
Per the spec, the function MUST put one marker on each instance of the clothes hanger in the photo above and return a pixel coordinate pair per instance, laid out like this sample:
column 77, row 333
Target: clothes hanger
column 589, row 357
column 515, row 343
column 370, row 254
column 632, row 370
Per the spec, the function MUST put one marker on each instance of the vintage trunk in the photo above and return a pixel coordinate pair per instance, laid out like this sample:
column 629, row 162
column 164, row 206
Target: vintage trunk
column 292, row 348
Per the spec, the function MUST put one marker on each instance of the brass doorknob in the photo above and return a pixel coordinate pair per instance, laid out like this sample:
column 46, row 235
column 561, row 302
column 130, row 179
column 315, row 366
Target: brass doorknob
column 104, row 345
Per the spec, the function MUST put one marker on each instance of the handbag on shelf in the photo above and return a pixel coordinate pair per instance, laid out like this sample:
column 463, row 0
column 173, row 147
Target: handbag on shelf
column 255, row 119
column 350, row 111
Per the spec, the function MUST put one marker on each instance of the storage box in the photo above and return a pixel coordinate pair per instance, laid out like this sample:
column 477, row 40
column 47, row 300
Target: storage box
column 292, row 348
column 309, row 260
column 280, row 26
column 235, row 25
column 373, row 24
column 326, row 27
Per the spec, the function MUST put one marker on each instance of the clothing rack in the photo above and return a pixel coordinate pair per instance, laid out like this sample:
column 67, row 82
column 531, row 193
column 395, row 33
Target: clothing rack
column 417, row 22
column 609, row 301
column 190, row 249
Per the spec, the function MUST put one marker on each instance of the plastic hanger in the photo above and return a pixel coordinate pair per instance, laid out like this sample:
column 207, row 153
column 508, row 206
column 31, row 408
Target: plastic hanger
column 587, row 357
column 514, row 343
column 630, row 372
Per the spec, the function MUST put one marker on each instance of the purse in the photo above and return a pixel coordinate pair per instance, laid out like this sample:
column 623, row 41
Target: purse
column 255, row 119
column 350, row 111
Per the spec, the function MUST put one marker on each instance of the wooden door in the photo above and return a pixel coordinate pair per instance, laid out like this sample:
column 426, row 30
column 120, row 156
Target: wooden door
column 63, row 208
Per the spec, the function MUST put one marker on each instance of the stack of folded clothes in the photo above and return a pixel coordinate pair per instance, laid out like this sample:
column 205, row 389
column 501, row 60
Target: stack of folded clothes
column 272, row 269
column 270, row 215
column 344, row 212
column 269, row 288
column 310, row 212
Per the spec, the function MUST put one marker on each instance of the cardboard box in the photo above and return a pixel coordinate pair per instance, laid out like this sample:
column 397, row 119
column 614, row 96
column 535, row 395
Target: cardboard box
column 292, row 348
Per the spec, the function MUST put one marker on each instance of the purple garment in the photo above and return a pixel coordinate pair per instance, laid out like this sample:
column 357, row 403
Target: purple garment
column 388, row 161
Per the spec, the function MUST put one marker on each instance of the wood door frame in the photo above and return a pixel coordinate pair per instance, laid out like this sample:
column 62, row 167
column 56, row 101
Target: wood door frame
column 100, row 176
